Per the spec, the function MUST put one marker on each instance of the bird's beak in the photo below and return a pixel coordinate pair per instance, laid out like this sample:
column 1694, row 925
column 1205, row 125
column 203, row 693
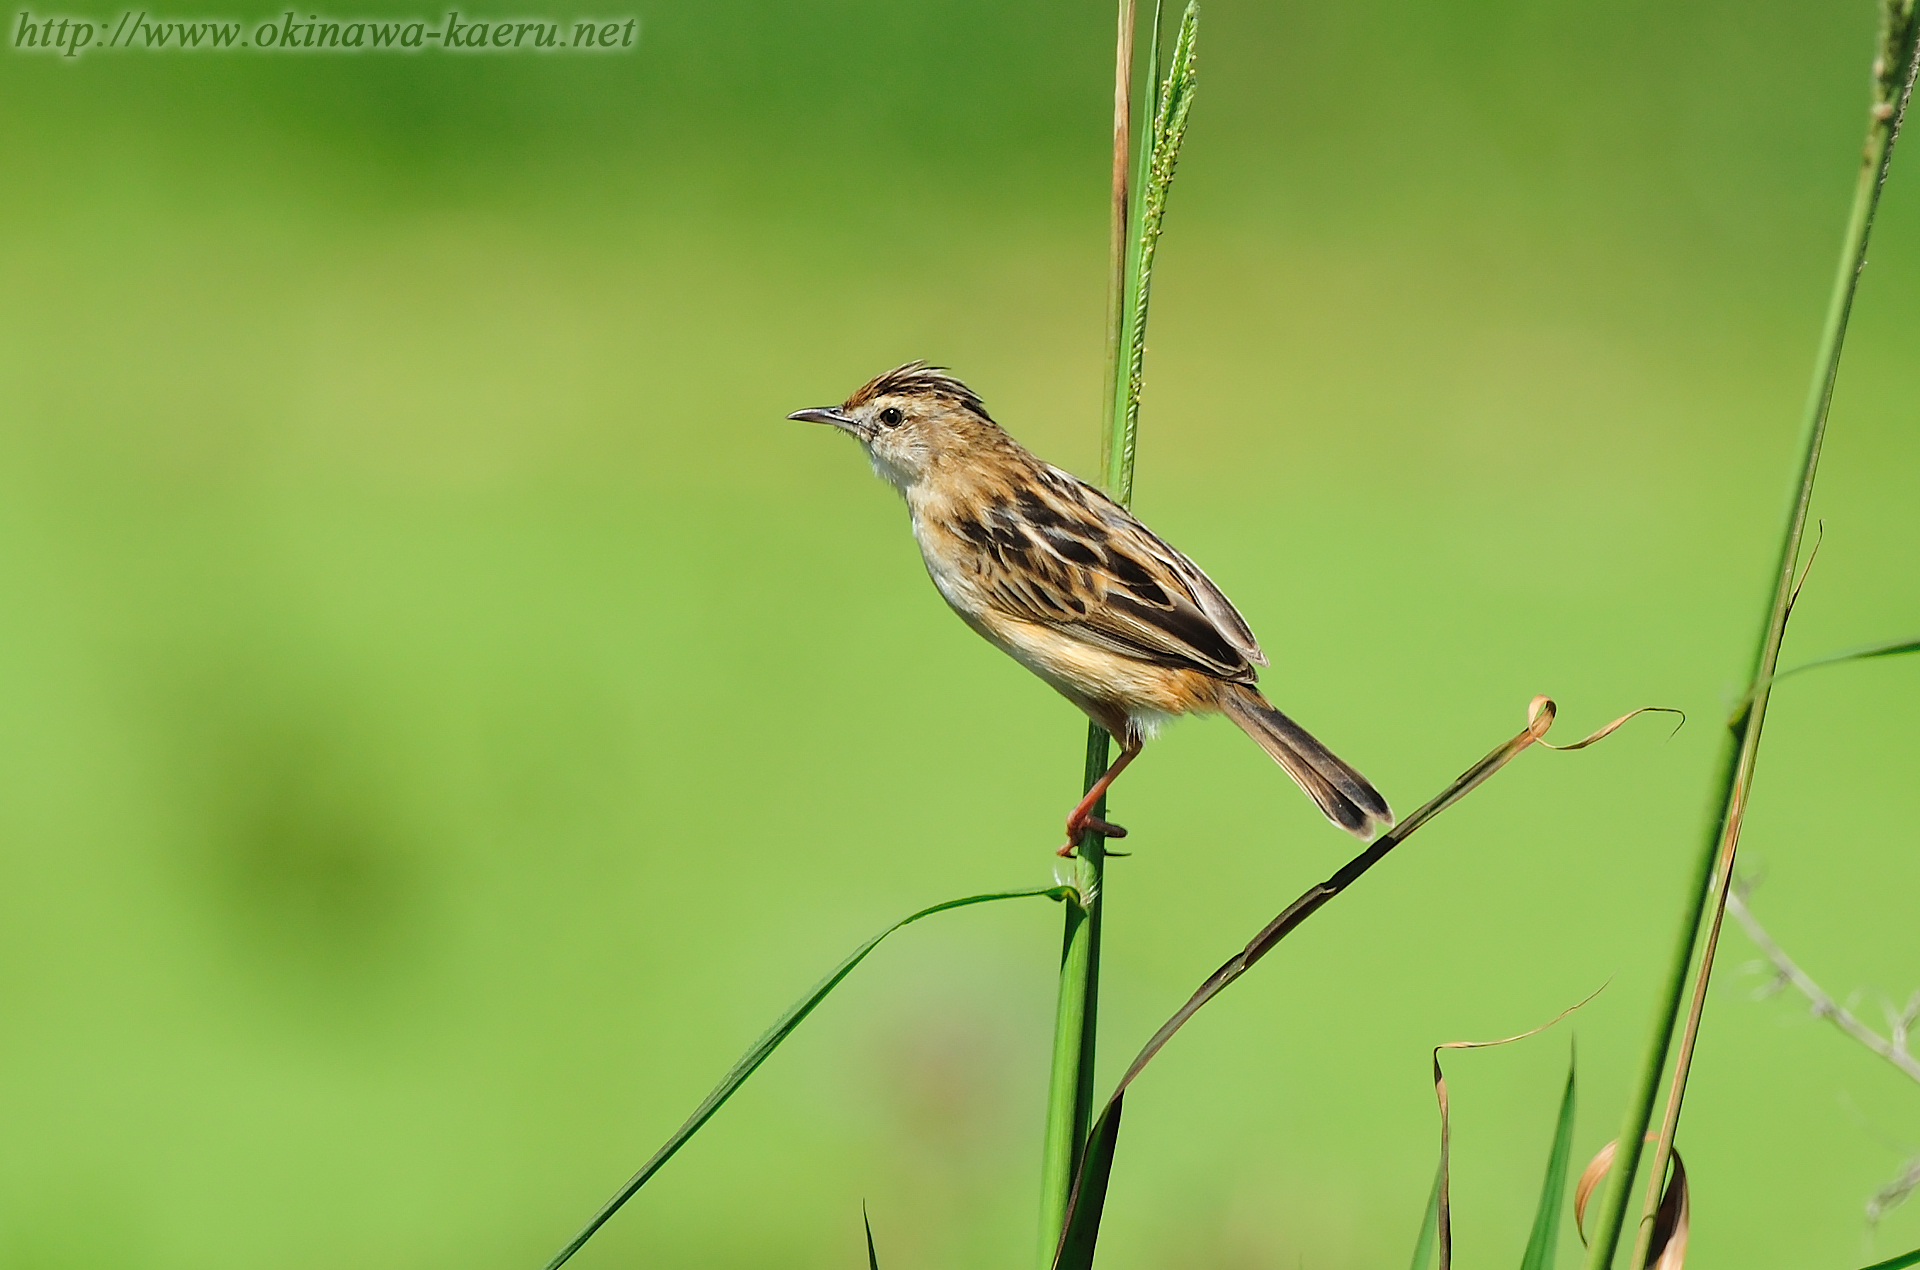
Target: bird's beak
column 831, row 415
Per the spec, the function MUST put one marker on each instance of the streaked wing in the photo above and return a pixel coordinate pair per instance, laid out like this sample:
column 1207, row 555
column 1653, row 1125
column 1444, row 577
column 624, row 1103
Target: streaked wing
column 1062, row 554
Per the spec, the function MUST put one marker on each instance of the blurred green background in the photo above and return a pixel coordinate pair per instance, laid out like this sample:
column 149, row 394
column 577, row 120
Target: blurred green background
column 445, row 711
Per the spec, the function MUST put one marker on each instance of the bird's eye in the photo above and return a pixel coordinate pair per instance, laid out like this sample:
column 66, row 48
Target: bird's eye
column 891, row 416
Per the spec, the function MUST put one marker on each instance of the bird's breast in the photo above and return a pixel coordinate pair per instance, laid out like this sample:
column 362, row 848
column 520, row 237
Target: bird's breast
column 1107, row 684
column 953, row 565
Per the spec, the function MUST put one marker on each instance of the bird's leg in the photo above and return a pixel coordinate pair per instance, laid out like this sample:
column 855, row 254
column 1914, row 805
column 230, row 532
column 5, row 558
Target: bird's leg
column 1082, row 818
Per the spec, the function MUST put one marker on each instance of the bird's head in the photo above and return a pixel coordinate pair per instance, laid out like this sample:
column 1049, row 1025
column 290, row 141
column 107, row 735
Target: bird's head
column 912, row 420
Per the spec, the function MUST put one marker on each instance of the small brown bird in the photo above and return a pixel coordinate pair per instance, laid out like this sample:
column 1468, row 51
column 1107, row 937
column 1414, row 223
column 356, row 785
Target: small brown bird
column 1066, row 582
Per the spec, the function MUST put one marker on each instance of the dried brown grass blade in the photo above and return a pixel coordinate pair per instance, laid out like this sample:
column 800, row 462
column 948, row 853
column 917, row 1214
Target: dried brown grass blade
column 1609, row 729
column 1667, row 1250
column 1540, row 715
column 1583, row 1189
column 1445, row 1223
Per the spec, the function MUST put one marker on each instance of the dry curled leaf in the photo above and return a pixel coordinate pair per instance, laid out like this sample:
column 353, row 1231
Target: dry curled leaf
column 1667, row 1250
column 1589, row 1178
column 1542, row 705
column 1445, row 1208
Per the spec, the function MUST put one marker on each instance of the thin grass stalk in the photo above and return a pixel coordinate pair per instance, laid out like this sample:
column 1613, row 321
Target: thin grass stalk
column 1893, row 71
column 1075, row 1023
column 1077, row 1009
column 1117, row 221
column 1168, row 106
column 1138, row 203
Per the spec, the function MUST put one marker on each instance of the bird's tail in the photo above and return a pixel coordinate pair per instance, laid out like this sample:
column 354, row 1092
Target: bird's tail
column 1346, row 796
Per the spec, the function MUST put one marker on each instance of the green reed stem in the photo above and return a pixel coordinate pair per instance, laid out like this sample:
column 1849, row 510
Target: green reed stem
column 1893, row 72
column 1138, row 207
column 1075, row 1023
column 1076, row 1014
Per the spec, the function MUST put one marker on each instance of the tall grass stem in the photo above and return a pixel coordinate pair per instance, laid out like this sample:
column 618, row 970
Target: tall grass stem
column 1077, row 1009
column 1893, row 73
column 1139, row 204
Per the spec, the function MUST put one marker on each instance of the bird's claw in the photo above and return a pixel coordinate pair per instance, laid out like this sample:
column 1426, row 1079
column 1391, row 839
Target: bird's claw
column 1091, row 824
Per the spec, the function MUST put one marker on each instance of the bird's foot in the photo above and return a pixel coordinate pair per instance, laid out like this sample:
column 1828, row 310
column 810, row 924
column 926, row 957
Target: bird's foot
column 1079, row 826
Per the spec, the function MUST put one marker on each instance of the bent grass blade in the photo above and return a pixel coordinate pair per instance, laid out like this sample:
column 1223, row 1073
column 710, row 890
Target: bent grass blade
column 1540, row 715
column 758, row 1052
column 1089, row 1198
column 1900, row 1262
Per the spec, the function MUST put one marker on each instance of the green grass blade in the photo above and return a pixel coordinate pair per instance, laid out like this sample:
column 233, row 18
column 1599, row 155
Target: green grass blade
column 1430, row 1224
column 1553, row 1192
column 1890, row 648
column 1900, row 1262
column 758, row 1052
column 873, row 1258
column 1887, row 648
column 1090, row 1193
